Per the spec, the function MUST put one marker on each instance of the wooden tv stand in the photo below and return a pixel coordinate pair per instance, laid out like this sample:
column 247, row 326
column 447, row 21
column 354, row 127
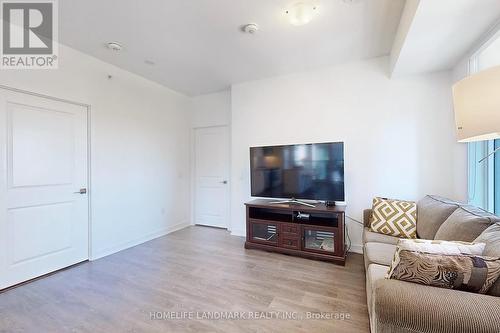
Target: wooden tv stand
column 281, row 228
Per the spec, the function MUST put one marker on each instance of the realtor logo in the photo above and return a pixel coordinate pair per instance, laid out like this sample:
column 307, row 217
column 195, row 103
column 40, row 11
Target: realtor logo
column 29, row 34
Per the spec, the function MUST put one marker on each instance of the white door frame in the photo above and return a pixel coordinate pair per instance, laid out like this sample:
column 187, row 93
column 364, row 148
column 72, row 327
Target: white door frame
column 193, row 173
column 89, row 151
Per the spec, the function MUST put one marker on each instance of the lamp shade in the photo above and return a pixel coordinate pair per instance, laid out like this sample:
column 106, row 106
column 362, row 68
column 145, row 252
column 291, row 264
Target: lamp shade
column 476, row 101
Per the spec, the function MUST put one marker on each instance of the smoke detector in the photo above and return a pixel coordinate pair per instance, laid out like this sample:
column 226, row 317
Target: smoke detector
column 114, row 46
column 250, row 28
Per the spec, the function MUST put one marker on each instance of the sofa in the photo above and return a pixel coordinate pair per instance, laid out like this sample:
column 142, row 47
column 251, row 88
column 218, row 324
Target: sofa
column 399, row 306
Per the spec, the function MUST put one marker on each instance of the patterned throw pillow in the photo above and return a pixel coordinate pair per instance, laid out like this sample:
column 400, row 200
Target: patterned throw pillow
column 394, row 217
column 434, row 247
column 471, row 273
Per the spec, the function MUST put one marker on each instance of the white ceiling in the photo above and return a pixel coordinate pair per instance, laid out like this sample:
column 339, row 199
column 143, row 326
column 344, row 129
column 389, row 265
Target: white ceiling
column 438, row 33
column 197, row 45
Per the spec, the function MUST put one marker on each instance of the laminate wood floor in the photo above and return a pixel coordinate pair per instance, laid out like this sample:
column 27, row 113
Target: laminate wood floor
column 174, row 283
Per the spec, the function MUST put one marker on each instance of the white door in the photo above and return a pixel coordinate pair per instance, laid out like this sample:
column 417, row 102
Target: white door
column 43, row 217
column 211, row 176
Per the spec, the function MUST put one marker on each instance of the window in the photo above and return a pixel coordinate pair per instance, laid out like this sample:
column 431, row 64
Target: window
column 497, row 180
column 484, row 178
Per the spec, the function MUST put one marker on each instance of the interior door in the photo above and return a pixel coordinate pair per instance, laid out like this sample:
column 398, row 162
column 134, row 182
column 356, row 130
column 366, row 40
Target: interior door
column 43, row 212
column 211, row 176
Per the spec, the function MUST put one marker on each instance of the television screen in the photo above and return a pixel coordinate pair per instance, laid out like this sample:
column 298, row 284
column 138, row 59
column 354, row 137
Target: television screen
column 306, row 171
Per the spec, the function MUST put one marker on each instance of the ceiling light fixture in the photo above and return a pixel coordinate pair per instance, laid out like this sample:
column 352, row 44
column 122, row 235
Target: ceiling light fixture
column 301, row 13
column 114, row 46
column 250, row 28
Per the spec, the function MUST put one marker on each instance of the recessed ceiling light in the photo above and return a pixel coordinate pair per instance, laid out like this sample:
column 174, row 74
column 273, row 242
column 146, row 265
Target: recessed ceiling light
column 301, row 13
column 114, row 46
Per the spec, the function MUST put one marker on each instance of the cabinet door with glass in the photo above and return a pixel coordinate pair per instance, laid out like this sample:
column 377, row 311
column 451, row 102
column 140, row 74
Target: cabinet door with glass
column 263, row 232
column 319, row 239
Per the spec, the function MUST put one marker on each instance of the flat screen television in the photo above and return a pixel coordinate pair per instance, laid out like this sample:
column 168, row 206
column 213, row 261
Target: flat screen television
column 303, row 171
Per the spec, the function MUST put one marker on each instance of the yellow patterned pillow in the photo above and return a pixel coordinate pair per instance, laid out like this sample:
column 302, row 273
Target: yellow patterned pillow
column 394, row 217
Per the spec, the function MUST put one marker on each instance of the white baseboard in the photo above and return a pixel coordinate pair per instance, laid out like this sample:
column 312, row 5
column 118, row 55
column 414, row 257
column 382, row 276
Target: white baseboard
column 239, row 233
column 137, row 241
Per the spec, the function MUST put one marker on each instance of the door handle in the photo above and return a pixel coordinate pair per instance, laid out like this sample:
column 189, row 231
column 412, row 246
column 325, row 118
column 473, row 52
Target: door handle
column 224, row 182
column 82, row 191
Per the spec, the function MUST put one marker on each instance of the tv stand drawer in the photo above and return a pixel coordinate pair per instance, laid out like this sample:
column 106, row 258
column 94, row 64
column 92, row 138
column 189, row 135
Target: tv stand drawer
column 290, row 228
column 290, row 242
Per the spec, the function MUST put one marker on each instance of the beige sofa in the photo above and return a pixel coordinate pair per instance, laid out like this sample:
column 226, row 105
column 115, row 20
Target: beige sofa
column 398, row 306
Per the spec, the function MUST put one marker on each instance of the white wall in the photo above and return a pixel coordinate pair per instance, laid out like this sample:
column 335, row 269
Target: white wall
column 399, row 133
column 211, row 109
column 461, row 70
column 140, row 147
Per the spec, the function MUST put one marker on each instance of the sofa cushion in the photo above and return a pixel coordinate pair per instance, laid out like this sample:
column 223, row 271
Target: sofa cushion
column 394, row 217
column 379, row 253
column 491, row 237
column 432, row 211
column 466, row 223
column 367, row 217
column 370, row 236
column 400, row 306
column 374, row 273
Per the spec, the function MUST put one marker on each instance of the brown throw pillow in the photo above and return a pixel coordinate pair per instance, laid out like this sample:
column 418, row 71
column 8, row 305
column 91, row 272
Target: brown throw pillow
column 394, row 217
column 462, row 272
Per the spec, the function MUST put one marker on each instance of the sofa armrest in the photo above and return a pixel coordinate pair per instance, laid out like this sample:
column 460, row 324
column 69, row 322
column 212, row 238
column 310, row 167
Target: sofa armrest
column 367, row 215
column 408, row 307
